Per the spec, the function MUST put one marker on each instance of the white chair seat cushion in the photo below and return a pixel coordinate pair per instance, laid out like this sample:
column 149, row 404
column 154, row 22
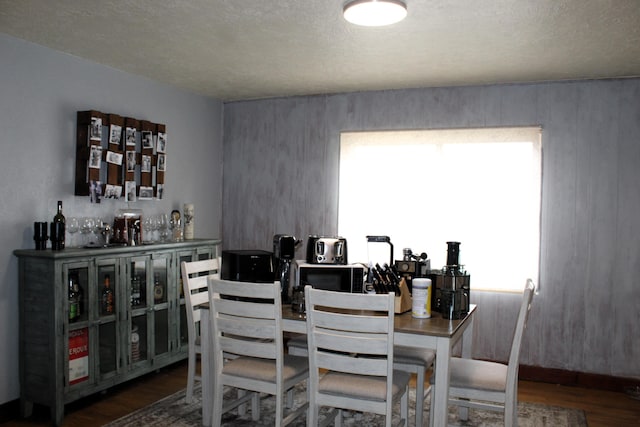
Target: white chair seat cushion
column 265, row 369
column 413, row 356
column 362, row 387
column 478, row 374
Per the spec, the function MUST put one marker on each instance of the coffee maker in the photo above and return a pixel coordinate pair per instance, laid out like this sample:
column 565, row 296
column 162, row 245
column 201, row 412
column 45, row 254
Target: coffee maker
column 284, row 249
column 452, row 286
column 412, row 266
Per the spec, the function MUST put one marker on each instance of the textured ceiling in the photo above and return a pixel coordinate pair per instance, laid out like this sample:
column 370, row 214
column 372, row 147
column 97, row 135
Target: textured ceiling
column 248, row 49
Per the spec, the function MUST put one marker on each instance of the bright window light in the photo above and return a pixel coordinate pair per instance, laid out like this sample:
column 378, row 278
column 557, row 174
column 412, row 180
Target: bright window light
column 480, row 187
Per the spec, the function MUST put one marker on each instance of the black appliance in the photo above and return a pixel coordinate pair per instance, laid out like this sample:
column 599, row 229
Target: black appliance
column 247, row 265
column 284, row 250
column 451, row 294
column 412, row 266
column 331, row 277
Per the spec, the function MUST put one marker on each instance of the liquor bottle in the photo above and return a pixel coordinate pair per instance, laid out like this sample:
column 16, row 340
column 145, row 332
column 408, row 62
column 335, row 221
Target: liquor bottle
column 74, row 302
column 78, row 292
column 158, row 290
column 107, row 296
column 135, row 291
column 58, row 229
column 135, row 343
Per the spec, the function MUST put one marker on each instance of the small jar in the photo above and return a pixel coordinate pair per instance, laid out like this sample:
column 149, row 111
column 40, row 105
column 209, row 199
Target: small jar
column 421, row 298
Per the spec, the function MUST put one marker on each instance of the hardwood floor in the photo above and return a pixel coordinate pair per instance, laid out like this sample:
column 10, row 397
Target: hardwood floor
column 602, row 408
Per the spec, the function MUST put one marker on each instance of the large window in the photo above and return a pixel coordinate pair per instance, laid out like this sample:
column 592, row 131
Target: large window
column 479, row 187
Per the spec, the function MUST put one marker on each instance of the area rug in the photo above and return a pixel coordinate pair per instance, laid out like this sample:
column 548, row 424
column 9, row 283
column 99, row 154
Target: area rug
column 174, row 411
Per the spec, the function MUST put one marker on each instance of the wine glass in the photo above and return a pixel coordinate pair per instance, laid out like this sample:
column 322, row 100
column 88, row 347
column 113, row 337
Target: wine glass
column 164, row 226
column 72, row 227
column 86, row 228
column 154, row 223
column 147, row 232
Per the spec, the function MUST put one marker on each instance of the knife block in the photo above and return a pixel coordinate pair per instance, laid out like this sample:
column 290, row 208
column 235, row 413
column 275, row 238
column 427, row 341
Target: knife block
column 403, row 303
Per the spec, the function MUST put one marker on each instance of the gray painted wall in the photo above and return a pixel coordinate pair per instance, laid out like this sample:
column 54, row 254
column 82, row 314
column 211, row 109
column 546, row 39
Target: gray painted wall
column 281, row 176
column 40, row 92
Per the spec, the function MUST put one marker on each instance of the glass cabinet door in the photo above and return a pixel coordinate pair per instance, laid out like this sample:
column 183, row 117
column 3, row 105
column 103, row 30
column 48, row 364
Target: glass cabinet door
column 108, row 298
column 76, row 312
column 137, row 331
column 149, row 300
column 162, row 294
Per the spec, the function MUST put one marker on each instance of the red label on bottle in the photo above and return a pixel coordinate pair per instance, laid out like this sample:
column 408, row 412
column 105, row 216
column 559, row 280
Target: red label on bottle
column 78, row 356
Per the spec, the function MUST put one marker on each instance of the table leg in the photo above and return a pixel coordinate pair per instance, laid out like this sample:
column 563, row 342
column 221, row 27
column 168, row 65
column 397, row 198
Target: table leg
column 440, row 397
column 467, row 344
column 467, row 339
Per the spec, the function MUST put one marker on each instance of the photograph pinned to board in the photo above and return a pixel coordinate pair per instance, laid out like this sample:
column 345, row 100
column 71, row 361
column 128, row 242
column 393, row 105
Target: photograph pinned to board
column 95, row 157
column 112, row 191
column 115, row 134
column 146, row 193
column 147, row 139
column 95, row 191
column 162, row 162
column 96, row 129
column 146, row 163
column 162, row 142
column 160, row 191
column 131, row 161
column 114, row 158
column 131, row 136
column 130, row 191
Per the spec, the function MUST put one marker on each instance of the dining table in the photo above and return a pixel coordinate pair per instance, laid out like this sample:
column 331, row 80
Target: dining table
column 433, row 333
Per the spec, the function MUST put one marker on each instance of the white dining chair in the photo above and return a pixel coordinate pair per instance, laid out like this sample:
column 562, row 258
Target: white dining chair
column 246, row 323
column 491, row 385
column 412, row 360
column 194, row 285
column 350, row 347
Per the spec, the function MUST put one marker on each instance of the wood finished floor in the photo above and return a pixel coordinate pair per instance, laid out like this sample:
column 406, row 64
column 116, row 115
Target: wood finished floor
column 603, row 408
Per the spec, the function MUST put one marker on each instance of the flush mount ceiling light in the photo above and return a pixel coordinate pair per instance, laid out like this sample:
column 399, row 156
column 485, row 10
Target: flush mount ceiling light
column 375, row 13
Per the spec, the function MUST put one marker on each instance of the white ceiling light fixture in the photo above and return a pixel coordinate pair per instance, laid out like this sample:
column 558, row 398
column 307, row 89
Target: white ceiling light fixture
column 375, row 13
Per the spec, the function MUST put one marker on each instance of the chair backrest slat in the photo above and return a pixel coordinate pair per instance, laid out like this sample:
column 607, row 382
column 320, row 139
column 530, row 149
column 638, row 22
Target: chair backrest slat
column 360, row 323
column 373, row 343
column 242, row 326
column 245, row 308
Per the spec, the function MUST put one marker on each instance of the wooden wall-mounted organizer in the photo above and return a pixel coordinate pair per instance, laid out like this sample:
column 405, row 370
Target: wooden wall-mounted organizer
column 119, row 157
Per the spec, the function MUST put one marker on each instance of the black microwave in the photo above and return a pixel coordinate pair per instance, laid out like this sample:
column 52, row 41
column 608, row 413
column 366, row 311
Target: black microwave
column 331, row 277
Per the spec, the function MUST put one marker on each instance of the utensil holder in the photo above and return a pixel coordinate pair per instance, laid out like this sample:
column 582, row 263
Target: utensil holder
column 403, row 303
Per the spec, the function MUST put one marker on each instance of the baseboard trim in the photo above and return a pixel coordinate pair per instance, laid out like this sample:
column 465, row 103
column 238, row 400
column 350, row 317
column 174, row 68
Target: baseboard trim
column 9, row 411
column 574, row 378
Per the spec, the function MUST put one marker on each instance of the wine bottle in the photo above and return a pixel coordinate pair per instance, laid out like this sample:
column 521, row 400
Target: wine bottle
column 78, row 292
column 74, row 311
column 107, row 296
column 135, row 291
column 58, row 229
column 158, row 290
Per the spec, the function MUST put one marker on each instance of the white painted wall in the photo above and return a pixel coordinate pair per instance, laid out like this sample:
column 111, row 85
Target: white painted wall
column 40, row 92
column 281, row 176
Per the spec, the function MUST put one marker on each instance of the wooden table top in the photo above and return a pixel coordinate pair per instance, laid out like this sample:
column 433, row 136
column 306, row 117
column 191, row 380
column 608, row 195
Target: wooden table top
column 436, row 325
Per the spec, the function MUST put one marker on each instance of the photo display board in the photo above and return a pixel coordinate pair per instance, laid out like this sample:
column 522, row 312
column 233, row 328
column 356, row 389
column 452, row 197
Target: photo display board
column 119, row 157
